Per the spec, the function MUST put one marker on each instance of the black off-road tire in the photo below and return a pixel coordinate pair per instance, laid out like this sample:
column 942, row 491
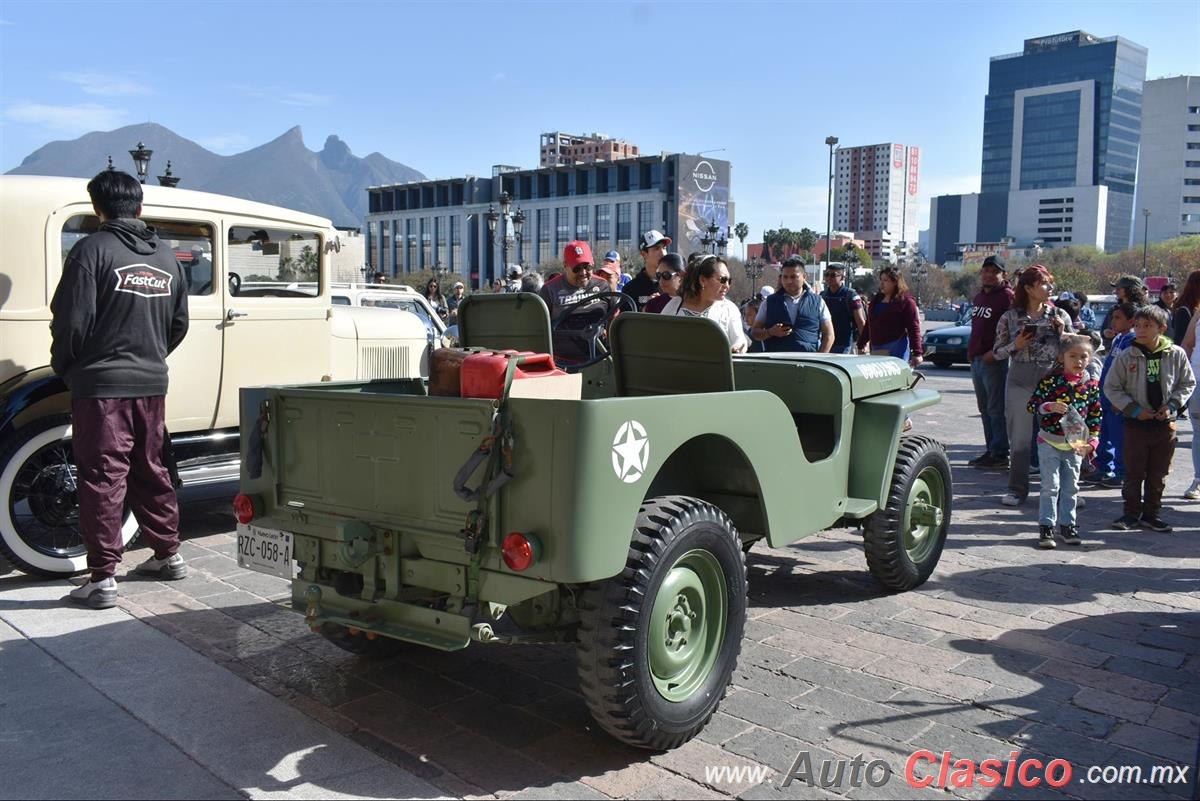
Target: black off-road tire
column 884, row 537
column 378, row 648
column 615, row 674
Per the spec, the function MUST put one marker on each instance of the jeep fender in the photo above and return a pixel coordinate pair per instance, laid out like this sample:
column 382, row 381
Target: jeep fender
column 878, row 424
column 31, row 396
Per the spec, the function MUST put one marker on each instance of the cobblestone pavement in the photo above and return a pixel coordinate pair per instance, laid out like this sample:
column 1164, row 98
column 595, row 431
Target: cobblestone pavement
column 1088, row 654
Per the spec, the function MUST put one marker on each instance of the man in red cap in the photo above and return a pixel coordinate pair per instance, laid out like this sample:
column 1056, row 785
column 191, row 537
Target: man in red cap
column 573, row 284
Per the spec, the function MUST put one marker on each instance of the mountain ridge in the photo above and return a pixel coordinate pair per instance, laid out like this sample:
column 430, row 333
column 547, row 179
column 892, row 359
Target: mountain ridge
column 331, row 182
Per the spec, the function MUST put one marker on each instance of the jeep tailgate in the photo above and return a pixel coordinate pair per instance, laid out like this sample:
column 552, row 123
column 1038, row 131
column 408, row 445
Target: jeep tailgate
column 372, row 452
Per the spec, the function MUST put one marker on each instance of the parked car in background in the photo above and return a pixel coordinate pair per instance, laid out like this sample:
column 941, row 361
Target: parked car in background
column 947, row 346
column 391, row 296
column 1101, row 306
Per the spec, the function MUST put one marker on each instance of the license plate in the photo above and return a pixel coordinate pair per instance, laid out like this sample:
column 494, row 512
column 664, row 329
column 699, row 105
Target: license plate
column 265, row 550
column 930, row 349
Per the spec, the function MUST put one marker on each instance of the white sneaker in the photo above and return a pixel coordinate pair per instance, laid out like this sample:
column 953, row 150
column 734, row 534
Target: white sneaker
column 1010, row 499
column 1193, row 493
column 170, row 569
column 97, row 594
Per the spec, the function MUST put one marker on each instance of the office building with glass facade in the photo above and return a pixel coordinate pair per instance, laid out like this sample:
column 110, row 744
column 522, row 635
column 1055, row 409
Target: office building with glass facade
column 420, row 225
column 1169, row 173
column 1067, row 112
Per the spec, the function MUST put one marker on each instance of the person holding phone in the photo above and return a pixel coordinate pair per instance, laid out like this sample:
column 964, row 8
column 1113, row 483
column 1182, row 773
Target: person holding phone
column 793, row 318
column 1028, row 336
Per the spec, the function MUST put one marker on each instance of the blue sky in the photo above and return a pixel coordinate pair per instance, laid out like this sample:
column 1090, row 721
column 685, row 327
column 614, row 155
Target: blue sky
column 453, row 88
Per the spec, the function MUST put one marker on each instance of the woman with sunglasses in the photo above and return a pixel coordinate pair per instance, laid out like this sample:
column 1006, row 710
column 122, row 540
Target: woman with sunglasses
column 1027, row 335
column 702, row 294
column 670, row 278
column 433, row 294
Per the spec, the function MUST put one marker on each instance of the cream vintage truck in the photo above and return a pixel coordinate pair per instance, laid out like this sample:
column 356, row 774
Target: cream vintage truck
column 259, row 287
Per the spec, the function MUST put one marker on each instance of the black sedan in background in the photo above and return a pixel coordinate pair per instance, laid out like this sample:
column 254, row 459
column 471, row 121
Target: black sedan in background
column 947, row 346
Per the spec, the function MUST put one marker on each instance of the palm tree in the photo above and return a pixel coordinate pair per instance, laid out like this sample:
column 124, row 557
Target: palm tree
column 807, row 239
column 741, row 231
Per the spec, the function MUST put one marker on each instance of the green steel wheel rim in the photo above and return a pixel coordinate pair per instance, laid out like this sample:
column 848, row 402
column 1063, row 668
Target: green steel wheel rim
column 687, row 625
column 924, row 514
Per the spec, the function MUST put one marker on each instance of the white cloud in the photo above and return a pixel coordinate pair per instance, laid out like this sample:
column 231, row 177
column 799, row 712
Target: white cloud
column 304, row 99
column 225, row 143
column 499, row 76
column 279, row 94
column 97, row 83
column 66, row 120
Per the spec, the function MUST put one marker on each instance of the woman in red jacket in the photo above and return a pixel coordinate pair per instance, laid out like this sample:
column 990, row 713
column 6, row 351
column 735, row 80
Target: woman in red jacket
column 893, row 325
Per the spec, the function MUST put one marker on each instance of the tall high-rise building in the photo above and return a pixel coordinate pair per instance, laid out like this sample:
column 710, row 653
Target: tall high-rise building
column 1168, row 184
column 1067, row 112
column 875, row 195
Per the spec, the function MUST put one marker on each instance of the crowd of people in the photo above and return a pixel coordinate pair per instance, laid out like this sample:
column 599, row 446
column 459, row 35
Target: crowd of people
column 1051, row 406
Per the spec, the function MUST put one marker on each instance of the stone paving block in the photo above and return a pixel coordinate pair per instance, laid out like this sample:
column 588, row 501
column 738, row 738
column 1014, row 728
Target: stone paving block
column 668, row 787
column 496, row 720
column 835, row 677
column 1056, row 743
column 841, row 711
column 627, row 780
column 916, row 654
column 929, row 678
column 892, row 627
column 395, row 755
column 958, row 714
column 772, row 791
column 1116, row 705
column 1149, row 671
column 415, row 685
column 493, row 768
column 1178, row 749
column 560, row 789
column 769, row 682
column 759, row 630
column 828, row 630
column 696, row 759
column 800, row 645
column 1053, row 649
column 1147, row 787
column 1183, row 701
column 1103, row 680
column 724, row 727
column 1126, row 648
column 951, row 625
column 1174, row 721
column 766, row 656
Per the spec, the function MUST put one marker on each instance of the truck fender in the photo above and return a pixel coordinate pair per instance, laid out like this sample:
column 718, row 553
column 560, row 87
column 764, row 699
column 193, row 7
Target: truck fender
column 31, row 396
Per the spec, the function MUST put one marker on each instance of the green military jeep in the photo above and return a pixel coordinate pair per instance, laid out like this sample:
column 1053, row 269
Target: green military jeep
column 613, row 516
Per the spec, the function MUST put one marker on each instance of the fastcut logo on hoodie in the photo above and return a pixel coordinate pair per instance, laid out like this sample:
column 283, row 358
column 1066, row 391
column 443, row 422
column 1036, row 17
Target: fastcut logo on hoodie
column 143, row 280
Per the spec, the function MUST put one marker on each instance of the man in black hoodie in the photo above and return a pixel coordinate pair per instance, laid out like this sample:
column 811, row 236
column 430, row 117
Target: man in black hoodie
column 119, row 309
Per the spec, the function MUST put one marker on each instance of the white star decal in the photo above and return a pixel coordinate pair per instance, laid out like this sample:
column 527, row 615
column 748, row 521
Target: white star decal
column 631, row 451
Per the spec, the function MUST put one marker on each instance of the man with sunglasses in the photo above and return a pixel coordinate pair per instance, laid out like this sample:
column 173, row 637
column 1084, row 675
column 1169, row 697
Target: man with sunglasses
column 575, row 282
column 845, row 309
column 794, row 319
column 653, row 246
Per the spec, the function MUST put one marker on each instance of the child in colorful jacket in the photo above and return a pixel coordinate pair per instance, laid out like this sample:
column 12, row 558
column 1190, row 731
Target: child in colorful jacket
column 1067, row 386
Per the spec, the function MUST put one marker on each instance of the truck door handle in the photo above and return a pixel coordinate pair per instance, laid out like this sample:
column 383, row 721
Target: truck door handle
column 234, row 313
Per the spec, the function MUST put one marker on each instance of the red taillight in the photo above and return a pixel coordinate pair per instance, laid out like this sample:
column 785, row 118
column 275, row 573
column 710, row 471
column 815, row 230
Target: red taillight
column 243, row 507
column 520, row 550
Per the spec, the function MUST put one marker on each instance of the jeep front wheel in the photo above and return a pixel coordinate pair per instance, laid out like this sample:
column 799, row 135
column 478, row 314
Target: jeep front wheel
column 904, row 539
column 659, row 641
column 39, row 509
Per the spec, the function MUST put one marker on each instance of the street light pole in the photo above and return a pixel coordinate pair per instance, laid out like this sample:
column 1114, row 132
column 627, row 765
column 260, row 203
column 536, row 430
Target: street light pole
column 1145, row 240
column 831, row 141
column 505, row 200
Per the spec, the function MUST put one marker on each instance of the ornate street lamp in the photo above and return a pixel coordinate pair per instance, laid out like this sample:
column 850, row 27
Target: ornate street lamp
column 831, row 141
column 141, row 159
column 754, row 271
column 168, row 179
column 1145, row 239
column 518, row 225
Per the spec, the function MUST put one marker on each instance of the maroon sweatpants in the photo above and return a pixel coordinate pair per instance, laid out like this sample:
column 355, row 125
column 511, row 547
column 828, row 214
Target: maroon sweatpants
column 118, row 445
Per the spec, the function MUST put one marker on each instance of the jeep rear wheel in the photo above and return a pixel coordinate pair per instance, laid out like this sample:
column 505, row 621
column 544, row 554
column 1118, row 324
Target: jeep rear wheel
column 904, row 540
column 659, row 642
column 39, row 509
